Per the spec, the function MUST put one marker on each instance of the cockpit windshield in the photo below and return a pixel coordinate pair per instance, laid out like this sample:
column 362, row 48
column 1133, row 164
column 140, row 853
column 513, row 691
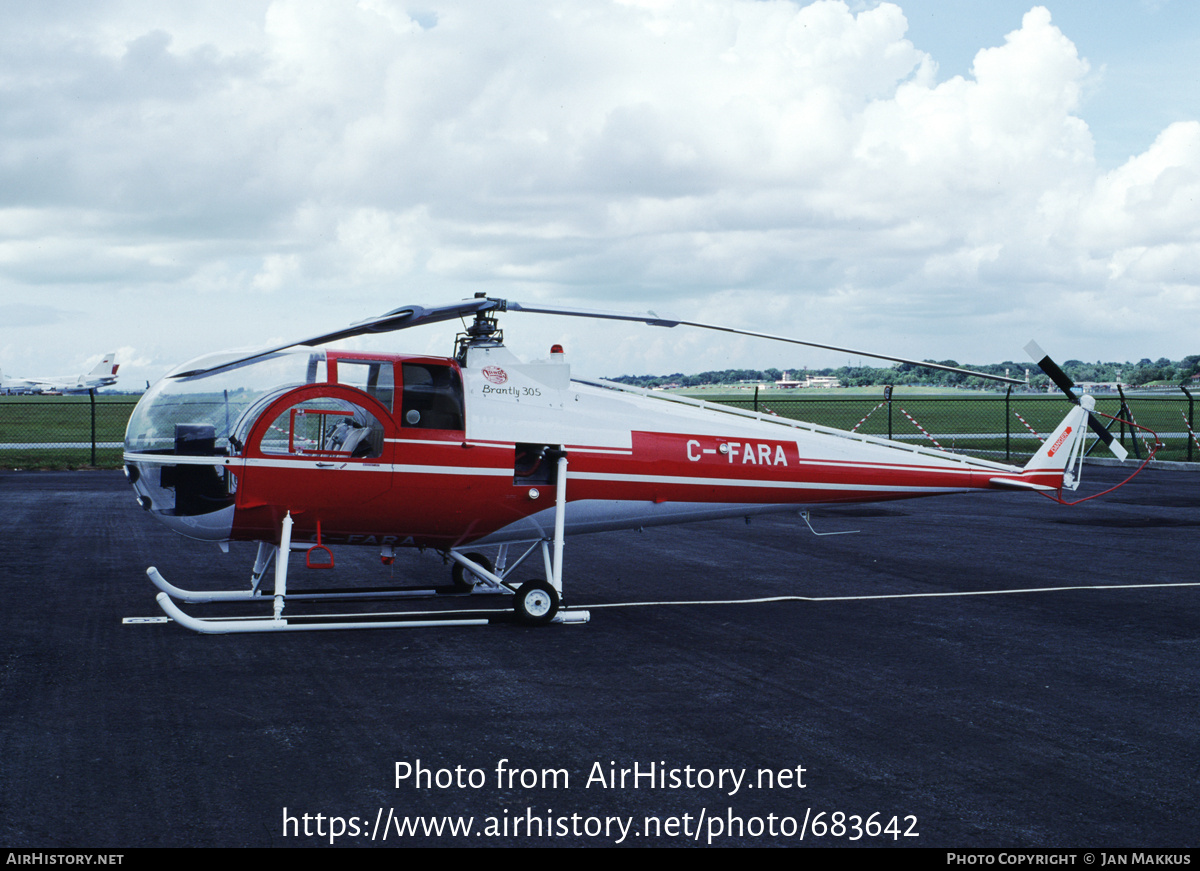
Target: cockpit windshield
column 218, row 399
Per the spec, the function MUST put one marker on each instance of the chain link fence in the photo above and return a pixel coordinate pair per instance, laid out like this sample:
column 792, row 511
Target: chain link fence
column 63, row 432
column 67, row 432
column 1005, row 427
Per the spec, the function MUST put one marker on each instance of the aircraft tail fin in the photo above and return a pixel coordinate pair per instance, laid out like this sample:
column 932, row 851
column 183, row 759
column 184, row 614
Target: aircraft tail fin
column 106, row 368
column 1051, row 468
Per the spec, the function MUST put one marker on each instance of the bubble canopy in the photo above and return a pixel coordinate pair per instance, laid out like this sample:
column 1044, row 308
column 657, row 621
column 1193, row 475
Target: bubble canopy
column 226, row 399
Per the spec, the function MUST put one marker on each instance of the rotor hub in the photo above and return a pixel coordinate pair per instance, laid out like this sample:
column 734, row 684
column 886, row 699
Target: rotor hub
column 484, row 331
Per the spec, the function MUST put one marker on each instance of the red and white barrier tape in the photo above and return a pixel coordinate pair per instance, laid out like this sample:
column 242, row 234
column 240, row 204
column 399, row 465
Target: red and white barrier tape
column 1189, row 429
column 1028, row 427
column 921, row 428
column 868, row 414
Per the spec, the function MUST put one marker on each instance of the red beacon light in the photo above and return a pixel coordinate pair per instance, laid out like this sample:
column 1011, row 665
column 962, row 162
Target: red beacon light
column 556, row 352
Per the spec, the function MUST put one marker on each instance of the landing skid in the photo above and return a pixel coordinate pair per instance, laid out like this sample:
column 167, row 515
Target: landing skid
column 255, row 594
column 311, row 623
column 536, row 602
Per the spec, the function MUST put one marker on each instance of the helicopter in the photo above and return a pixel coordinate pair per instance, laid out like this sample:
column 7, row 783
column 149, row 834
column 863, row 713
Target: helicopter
column 299, row 448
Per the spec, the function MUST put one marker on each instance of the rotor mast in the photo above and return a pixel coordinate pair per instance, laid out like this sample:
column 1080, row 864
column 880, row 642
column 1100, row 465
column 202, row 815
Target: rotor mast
column 484, row 331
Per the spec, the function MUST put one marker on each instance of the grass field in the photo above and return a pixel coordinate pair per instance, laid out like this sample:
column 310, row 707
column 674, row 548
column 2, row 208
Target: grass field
column 56, row 431
column 61, row 429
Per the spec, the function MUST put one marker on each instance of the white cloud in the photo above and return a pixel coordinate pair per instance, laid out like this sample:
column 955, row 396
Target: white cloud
column 791, row 168
column 1154, row 198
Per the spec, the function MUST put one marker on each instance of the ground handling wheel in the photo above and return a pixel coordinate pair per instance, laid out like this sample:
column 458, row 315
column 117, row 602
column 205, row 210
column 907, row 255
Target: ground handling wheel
column 536, row 603
column 464, row 579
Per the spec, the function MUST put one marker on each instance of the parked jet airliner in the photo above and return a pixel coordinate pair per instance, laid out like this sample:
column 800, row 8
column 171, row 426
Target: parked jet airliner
column 103, row 375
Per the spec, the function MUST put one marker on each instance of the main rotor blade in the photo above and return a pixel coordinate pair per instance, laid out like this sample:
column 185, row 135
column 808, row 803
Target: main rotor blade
column 397, row 319
column 414, row 315
column 648, row 318
column 656, row 321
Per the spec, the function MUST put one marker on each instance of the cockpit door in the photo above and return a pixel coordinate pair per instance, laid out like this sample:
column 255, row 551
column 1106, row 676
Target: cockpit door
column 321, row 452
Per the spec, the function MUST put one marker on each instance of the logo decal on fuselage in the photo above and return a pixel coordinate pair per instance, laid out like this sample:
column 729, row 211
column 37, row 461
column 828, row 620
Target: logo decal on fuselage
column 495, row 374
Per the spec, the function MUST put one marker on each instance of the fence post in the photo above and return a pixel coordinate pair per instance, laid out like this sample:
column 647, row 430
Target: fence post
column 1127, row 412
column 887, row 397
column 1191, row 421
column 1007, row 426
column 92, row 397
column 756, row 399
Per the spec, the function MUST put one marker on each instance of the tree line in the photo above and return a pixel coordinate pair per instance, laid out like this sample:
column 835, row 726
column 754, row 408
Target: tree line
column 1144, row 372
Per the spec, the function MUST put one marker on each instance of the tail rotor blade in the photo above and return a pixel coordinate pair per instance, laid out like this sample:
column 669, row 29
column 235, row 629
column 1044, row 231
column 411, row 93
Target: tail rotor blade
column 1105, row 436
column 1055, row 374
column 1067, row 386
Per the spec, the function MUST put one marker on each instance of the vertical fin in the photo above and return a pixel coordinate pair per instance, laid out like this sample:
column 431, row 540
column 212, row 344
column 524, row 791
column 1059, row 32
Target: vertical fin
column 1047, row 468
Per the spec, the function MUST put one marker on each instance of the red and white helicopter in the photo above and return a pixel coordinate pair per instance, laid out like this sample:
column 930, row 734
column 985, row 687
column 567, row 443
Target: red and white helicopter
column 299, row 448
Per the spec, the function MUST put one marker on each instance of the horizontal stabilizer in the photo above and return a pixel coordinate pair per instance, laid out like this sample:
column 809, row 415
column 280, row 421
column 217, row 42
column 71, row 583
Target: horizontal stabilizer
column 1017, row 484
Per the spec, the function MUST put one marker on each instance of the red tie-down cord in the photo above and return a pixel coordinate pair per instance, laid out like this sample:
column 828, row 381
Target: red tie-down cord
column 1057, row 497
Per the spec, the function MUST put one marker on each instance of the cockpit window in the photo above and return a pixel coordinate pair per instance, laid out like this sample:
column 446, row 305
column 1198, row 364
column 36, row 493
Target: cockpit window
column 325, row 426
column 374, row 377
column 432, row 398
column 220, row 399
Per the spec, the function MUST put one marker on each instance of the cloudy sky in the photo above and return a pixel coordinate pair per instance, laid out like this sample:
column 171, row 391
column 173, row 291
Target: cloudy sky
column 923, row 178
